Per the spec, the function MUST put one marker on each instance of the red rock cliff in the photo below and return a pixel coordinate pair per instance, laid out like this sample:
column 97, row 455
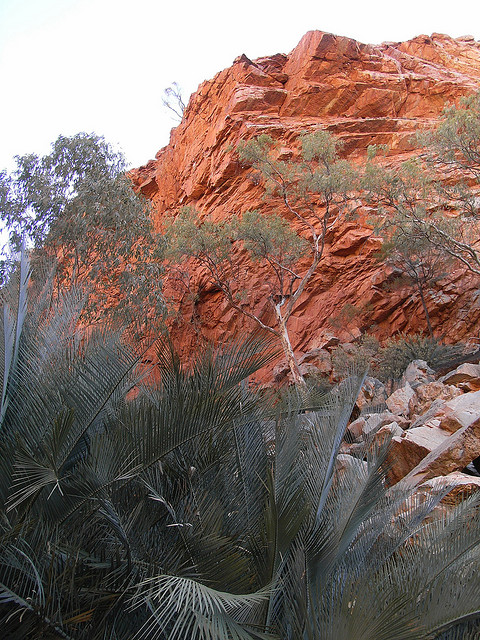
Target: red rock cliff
column 364, row 94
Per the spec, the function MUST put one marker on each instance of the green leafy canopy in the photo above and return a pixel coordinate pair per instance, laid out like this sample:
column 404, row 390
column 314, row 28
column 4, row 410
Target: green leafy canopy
column 77, row 208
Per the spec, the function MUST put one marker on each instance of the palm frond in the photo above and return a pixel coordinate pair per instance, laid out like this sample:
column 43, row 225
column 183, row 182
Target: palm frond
column 183, row 608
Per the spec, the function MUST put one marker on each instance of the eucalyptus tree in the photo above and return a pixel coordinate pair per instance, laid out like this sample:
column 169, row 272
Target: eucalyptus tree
column 76, row 208
column 434, row 198
column 313, row 195
column 269, row 240
column 309, row 196
column 452, row 150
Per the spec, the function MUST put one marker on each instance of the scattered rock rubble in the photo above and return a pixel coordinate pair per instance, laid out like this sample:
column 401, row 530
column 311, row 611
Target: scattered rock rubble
column 433, row 426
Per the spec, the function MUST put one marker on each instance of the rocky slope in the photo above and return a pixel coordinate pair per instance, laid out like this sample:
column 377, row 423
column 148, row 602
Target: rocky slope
column 432, row 424
column 364, row 94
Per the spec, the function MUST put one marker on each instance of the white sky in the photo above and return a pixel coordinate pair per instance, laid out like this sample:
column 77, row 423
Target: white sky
column 102, row 65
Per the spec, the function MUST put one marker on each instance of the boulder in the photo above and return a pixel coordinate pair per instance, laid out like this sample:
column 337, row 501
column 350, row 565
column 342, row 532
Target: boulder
column 431, row 417
column 456, row 486
column 408, row 450
column 418, row 372
column 355, row 449
column 454, row 453
column 376, row 421
column 372, row 394
column 466, row 376
column 426, row 394
column 325, row 340
column 320, row 359
column 461, row 411
column 356, row 428
column 399, row 401
column 307, row 369
column 372, row 423
column 346, row 462
column 386, row 433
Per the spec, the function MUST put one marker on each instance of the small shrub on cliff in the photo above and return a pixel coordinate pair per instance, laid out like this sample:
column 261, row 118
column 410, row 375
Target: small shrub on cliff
column 395, row 356
column 173, row 101
column 354, row 355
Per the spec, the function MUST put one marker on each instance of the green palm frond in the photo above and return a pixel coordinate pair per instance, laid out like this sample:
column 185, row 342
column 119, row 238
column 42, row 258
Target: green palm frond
column 198, row 508
column 185, row 608
column 14, row 314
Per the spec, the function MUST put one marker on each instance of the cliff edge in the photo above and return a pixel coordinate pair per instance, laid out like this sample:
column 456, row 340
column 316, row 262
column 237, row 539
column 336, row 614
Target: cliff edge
column 363, row 94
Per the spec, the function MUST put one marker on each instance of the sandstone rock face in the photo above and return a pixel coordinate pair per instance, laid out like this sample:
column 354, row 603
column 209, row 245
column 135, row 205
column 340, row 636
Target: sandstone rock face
column 364, row 94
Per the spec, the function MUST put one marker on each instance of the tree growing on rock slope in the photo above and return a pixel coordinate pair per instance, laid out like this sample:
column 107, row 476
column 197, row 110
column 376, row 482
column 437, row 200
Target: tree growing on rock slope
column 310, row 195
column 430, row 205
column 418, row 261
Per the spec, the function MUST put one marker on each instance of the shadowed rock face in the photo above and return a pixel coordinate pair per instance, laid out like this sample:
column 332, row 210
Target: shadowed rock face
column 364, row 94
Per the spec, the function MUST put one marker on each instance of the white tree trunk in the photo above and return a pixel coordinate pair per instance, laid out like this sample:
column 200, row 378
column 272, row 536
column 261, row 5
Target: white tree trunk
column 287, row 347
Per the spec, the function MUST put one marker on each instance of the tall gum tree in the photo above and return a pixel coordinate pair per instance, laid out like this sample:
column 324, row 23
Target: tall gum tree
column 434, row 199
column 76, row 207
column 310, row 196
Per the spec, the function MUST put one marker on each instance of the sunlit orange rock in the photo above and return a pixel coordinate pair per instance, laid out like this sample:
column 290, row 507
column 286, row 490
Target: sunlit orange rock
column 364, row 94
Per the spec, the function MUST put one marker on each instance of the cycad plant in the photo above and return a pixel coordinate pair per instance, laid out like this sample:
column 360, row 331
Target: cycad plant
column 82, row 520
column 198, row 509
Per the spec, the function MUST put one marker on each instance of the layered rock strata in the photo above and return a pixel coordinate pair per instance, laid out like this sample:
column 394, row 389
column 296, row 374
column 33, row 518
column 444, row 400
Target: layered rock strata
column 364, row 94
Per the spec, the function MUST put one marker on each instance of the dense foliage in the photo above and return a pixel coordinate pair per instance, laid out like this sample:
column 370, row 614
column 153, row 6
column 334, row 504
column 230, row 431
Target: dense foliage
column 196, row 508
column 77, row 208
column 397, row 353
